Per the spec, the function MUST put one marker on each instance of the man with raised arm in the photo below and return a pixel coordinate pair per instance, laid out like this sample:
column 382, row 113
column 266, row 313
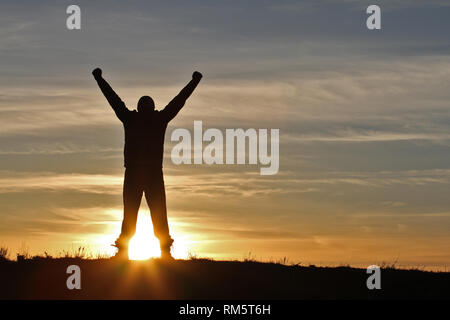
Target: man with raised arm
column 143, row 155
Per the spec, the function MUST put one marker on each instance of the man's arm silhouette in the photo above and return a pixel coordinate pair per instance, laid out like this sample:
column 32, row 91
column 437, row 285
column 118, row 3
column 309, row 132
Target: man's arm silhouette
column 174, row 106
column 114, row 100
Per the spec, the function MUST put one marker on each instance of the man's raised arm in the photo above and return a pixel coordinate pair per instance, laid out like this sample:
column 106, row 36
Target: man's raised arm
column 174, row 106
column 114, row 100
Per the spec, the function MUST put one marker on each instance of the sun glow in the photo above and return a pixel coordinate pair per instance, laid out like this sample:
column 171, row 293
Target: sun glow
column 145, row 245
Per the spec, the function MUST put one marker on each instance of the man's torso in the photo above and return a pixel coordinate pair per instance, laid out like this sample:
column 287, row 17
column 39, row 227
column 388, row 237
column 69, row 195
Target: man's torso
column 144, row 139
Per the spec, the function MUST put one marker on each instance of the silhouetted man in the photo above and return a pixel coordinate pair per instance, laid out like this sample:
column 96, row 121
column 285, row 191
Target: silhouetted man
column 143, row 153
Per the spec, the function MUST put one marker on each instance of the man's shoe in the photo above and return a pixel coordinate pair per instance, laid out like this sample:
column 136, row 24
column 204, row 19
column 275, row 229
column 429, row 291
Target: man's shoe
column 122, row 251
column 165, row 255
column 120, row 255
column 165, row 250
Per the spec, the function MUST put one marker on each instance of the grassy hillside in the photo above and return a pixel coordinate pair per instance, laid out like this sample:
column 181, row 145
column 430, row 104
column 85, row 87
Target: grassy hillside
column 45, row 278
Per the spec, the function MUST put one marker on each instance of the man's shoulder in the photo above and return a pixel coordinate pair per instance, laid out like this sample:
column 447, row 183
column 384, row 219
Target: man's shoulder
column 132, row 113
column 161, row 115
column 128, row 115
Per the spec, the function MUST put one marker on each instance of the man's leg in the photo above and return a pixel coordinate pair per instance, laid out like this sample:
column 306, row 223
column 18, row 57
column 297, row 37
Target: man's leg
column 132, row 195
column 155, row 195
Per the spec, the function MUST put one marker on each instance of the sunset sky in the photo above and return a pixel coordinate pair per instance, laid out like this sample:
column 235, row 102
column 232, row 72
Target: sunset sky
column 364, row 119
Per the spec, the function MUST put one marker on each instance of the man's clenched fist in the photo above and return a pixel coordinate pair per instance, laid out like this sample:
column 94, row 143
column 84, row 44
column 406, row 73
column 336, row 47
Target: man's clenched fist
column 197, row 75
column 97, row 72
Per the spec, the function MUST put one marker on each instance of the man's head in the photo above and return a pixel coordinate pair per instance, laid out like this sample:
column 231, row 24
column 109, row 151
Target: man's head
column 145, row 105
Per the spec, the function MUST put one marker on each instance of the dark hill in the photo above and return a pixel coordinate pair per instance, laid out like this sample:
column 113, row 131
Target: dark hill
column 45, row 278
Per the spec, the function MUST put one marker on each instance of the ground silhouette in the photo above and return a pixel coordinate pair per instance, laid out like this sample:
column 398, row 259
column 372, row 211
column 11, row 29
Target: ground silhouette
column 45, row 278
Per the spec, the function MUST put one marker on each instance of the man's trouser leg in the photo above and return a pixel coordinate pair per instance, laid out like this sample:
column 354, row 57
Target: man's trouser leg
column 155, row 195
column 132, row 195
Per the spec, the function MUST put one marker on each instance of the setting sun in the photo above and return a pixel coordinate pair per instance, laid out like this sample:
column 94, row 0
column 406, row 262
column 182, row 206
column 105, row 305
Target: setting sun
column 145, row 245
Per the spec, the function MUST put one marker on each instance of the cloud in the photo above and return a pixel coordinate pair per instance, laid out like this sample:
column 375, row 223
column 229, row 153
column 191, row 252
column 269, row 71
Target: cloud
column 367, row 136
column 63, row 182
